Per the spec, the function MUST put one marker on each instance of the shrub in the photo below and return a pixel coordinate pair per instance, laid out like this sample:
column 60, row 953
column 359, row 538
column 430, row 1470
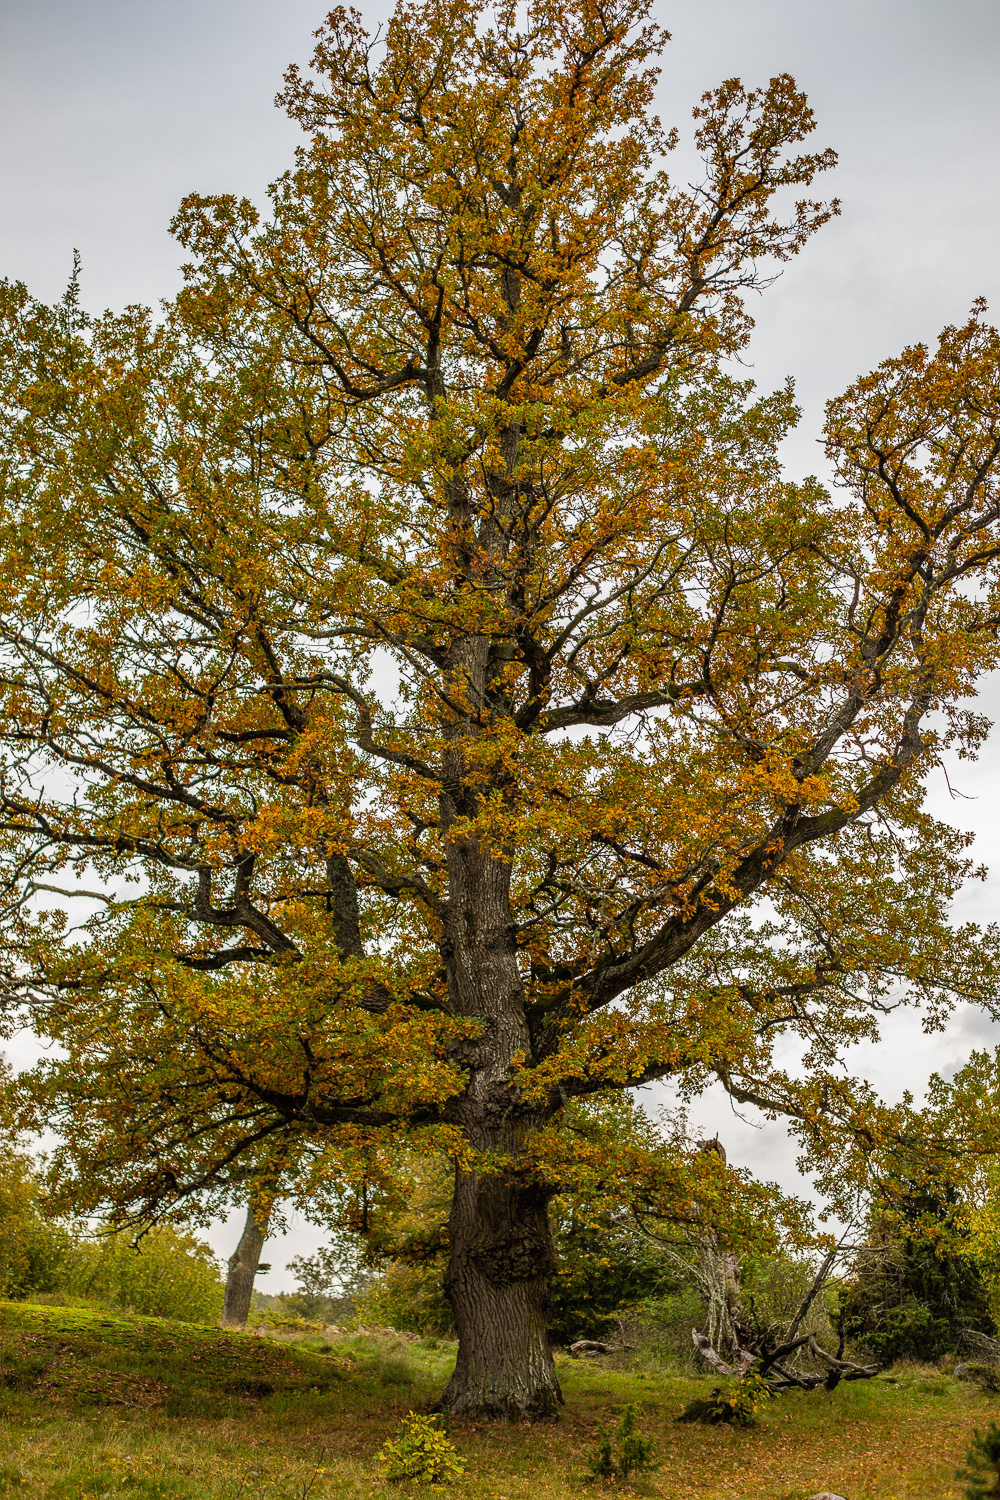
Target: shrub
column 982, row 1465
column 169, row 1275
column 606, row 1272
column 624, row 1453
column 915, row 1289
column 746, row 1400
column 33, row 1249
column 421, row 1450
column 739, row 1406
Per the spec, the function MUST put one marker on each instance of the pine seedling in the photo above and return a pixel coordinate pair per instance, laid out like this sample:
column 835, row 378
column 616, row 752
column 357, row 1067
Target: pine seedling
column 982, row 1465
column 628, row 1451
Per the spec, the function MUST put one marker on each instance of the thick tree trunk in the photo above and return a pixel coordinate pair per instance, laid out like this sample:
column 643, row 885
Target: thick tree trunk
column 502, row 1257
column 243, row 1265
column 498, row 1281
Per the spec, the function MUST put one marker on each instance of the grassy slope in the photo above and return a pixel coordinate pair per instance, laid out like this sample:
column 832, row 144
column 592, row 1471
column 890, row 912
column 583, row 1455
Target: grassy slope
column 99, row 1405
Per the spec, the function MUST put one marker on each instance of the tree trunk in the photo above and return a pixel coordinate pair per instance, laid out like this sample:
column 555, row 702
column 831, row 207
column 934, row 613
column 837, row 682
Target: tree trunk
column 243, row 1265
column 719, row 1281
column 498, row 1282
column 502, row 1256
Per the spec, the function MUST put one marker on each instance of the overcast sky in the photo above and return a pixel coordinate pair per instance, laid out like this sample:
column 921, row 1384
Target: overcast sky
column 112, row 110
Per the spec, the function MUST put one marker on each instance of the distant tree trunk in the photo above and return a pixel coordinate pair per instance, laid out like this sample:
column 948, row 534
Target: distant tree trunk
column 243, row 1265
column 498, row 1281
column 718, row 1275
column 719, row 1280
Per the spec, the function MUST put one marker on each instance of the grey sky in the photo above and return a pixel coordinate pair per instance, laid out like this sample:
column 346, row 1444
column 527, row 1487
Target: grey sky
column 111, row 110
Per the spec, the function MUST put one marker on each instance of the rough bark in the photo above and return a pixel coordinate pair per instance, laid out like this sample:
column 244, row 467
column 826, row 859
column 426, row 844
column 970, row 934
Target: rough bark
column 498, row 1281
column 718, row 1274
column 243, row 1265
column 502, row 1255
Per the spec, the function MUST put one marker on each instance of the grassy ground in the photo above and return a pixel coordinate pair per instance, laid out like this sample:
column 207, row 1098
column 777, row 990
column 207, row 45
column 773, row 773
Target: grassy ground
column 99, row 1405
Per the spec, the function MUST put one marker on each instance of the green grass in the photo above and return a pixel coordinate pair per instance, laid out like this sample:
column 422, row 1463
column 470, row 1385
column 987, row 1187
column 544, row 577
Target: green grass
column 98, row 1405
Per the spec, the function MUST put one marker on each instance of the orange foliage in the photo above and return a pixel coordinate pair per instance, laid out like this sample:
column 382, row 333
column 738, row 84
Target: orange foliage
column 417, row 614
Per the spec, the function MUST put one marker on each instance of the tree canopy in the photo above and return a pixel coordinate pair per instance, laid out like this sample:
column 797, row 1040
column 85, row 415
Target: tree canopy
column 412, row 643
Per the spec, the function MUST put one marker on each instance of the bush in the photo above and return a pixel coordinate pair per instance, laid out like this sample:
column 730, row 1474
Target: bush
column 982, row 1465
column 746, row 1400
column 606, row 1273
column 739, row 1406
column 628, row 1450
column 169, row 1275
column 909, row 1331
column 421, row 1450
column 33, row 1250
column 915, row 1288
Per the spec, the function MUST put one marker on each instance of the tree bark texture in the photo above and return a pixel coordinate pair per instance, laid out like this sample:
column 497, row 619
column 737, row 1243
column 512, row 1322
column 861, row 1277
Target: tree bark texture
column 502, row 1256
column 243, row 1265
column 719, row 1281
column 498, row 1281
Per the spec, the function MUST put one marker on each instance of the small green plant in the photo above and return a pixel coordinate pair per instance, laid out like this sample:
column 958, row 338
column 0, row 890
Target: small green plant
column 421, row 1450
column 602, row 1461
column 746, row 1400
column 739, row 1406
column 634, row 1452
column 982, row 1465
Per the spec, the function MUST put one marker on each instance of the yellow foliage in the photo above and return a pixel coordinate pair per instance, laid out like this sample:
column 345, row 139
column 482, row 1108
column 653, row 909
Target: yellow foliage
column 414, row 647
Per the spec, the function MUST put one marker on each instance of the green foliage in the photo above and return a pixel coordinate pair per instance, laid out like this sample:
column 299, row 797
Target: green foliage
column 406, row 1239
column 627, row 1452
column 421, row 1450
column 982, row 1465
column 331, row 1281
column 745, row 1401
column 739, row 1405
column 984, row 1223
column 606, row 1271
column 773, row 1287
column 168, row 1275
column 409, row 1297
column 986, row 1377
column 33, row 1250
column 915, row 1288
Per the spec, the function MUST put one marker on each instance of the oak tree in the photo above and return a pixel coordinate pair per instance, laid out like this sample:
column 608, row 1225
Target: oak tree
column 411, row 643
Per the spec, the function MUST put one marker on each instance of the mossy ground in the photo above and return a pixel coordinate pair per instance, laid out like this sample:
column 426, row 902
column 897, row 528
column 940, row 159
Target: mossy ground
column 98, row 1405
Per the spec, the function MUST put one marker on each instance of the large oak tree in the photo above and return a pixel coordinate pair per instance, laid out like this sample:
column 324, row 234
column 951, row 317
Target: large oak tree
column 417, row 615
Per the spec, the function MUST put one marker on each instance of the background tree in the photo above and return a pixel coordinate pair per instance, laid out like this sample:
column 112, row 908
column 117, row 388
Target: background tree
column 915, row 1287
column 417, row 615
column 168, row 1274
column 242, row 1267
column 34, row 1250
column 331, row 1282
